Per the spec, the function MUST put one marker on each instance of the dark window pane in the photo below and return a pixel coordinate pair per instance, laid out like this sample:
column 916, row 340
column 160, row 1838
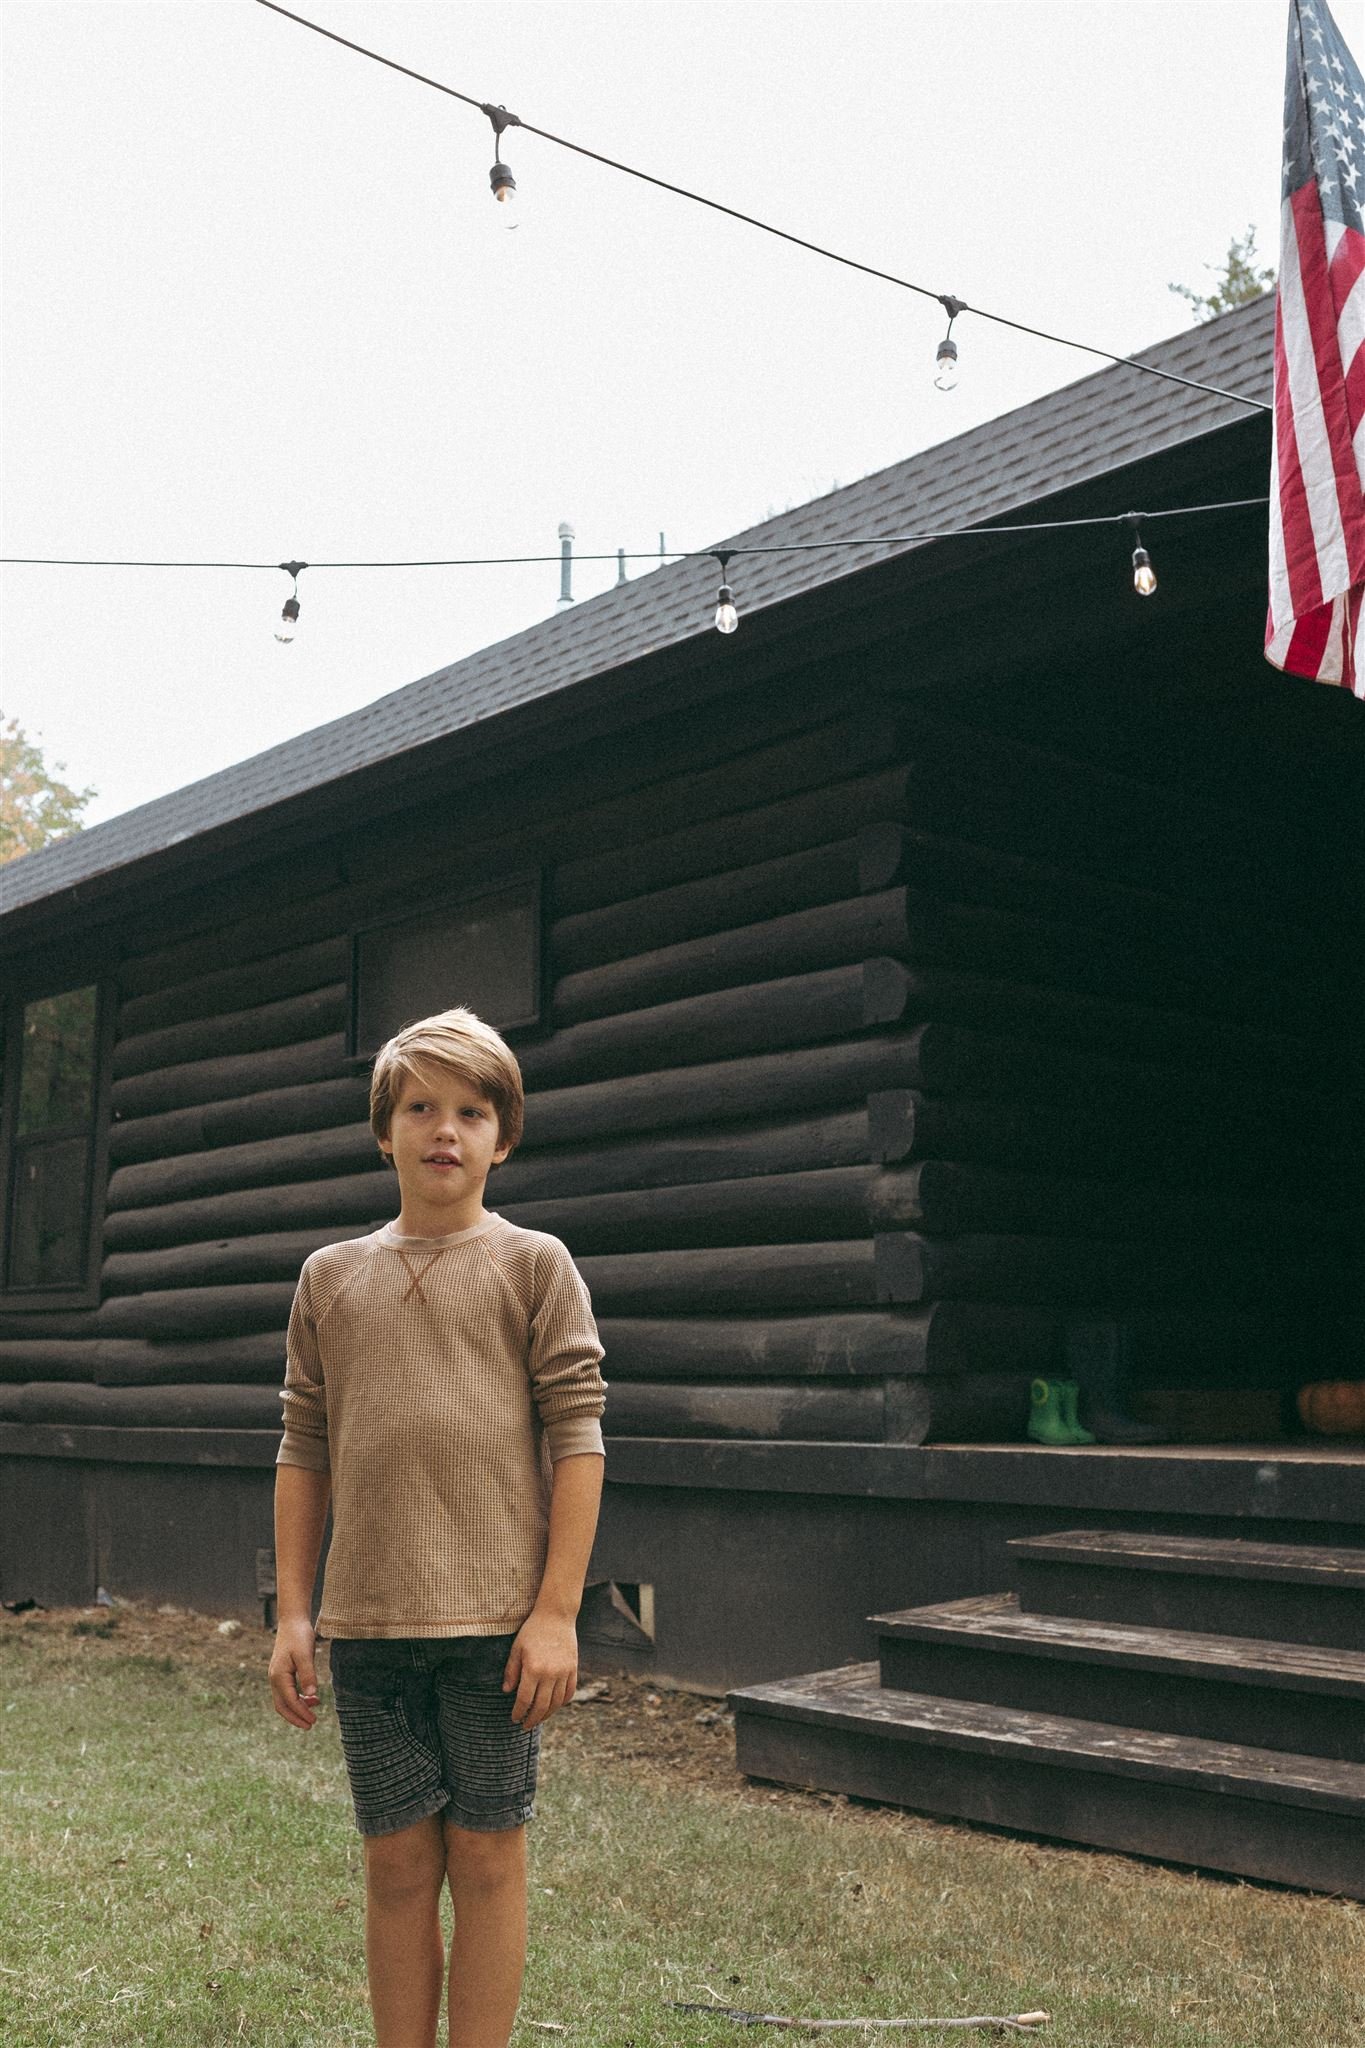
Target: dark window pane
column 48, row 1241
column 57, row 1061
column 484, row 953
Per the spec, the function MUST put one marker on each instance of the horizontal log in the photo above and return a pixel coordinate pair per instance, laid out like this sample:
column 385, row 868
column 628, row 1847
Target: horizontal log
column 796, row 1413
column 1104, row 1275
column 864, row 1345
column 714, row 903
column 763, row 1209
column 191, row 1312
column 303, row 1205
column 1034, row 822
column 746, row 1278
column 1143, row 1134
column 1126, row 824
column 238, row 987
column 130, row 1362
column 208, row 1081
column 222, row 1262
column 947, row 1199
column 809, row 1077
column 307, row 1016
column 944, row 1337
column 170, row 1407
column 925, row 932
column 959, row 1408
column 269, row 1114
column 794, row 1010
column 232, row 1170
column 735, row 839
column 509, row 821
column 1199, row 934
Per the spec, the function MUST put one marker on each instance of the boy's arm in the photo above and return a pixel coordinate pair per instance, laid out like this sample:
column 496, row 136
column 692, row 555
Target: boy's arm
column 303, row 1486
column 301, row 1498
column 543, row 1662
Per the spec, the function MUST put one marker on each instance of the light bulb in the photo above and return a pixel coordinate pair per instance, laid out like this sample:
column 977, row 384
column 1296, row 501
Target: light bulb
column 727, row 618
column 505, row 192
column 945, row 365
column 1144, row 575
column 289, row 619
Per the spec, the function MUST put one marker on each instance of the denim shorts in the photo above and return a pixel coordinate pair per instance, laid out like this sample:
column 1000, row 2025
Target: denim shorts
column 427, row 1728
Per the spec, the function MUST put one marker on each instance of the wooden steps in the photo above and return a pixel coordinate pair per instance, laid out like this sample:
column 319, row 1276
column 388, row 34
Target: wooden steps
column 1239, row 1689
column 1242, row 1752
column 1303, row 1593
column 1256, row 1812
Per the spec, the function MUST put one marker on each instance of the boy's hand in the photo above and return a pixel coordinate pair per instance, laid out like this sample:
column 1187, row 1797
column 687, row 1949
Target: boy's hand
column 293, row 1677
column 543, row 1666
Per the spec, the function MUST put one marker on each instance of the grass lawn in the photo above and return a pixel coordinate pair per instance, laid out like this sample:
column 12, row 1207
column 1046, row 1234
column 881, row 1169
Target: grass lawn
column 180, row 1868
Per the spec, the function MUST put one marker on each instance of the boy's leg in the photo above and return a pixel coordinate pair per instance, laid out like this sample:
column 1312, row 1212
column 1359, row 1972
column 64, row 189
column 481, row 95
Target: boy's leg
column 487, row 1874
column 404, row 1951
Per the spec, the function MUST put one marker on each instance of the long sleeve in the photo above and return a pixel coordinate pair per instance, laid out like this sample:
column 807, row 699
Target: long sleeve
column 565, row 1357
column 304, row 1393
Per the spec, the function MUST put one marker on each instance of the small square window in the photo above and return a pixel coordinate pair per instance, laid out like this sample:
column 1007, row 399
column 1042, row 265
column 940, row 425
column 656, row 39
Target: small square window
column 482, row 951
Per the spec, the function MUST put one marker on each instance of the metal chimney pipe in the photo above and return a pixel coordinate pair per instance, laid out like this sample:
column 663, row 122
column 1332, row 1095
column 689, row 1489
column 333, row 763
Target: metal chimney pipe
column 566, row 539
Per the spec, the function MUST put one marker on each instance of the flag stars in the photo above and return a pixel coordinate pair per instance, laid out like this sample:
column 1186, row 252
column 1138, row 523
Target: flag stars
column 1349, row 176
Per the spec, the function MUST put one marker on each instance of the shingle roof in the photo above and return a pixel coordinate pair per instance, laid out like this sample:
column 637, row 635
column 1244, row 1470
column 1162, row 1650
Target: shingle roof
column 1101, row 423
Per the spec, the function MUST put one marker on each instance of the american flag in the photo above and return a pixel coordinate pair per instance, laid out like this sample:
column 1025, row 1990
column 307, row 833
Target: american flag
column 1317, row 481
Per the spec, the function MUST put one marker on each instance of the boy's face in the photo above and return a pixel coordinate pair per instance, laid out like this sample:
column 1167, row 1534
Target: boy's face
column 443, row 1138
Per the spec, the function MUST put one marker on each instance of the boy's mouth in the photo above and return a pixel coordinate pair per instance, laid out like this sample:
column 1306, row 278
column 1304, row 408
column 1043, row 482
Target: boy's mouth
column 440, row 1159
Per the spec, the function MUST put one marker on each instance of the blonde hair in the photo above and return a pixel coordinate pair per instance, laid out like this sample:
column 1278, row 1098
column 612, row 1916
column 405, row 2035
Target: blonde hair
column 462, row 1044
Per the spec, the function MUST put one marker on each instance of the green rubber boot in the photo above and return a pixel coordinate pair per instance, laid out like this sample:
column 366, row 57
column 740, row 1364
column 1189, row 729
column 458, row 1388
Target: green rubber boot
column 1070, row 1393
column 1047, row 1423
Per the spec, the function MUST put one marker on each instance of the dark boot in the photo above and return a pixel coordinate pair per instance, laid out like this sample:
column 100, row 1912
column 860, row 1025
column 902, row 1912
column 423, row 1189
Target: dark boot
column 1099, row 1357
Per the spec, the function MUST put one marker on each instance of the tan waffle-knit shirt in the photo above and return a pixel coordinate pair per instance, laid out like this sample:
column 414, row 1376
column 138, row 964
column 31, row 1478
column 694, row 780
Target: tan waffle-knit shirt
column 437, row 1379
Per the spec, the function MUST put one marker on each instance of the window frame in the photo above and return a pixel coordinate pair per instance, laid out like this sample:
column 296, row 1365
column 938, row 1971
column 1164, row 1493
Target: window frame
column 66, row 1294
column 450, row 900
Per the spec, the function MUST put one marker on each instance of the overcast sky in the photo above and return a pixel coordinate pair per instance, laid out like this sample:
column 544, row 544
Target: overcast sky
column 259, row 304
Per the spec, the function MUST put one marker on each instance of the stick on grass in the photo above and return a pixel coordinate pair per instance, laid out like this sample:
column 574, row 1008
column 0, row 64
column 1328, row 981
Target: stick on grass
column 1014, row 2023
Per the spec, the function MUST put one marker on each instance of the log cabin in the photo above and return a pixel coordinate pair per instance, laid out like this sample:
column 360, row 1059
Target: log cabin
column 965, row 949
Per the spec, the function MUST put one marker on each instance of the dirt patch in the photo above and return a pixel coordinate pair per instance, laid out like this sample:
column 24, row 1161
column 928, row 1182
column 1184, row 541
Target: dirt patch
column 618, row 1719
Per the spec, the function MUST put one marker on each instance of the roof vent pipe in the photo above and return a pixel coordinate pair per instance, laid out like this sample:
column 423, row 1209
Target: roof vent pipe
column 565, row 562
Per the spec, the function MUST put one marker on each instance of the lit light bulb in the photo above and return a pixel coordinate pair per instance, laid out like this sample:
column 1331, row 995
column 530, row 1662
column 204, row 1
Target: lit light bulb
column 945, row 365
column 727, row 618
column 505, row 192
column 289, row 619
column 1144, row 575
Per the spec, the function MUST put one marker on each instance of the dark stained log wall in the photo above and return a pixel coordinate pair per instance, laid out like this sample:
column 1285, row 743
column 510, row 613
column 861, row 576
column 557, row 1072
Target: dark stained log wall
column 875, row 1046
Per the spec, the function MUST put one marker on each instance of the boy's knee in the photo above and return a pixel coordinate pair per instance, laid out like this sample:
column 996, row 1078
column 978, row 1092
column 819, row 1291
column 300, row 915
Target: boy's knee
column 408, row 1864
column 484, row 1856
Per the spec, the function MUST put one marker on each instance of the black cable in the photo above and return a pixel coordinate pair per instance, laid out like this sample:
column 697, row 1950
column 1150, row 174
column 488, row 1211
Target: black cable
column 750, row 220
column 790, row 547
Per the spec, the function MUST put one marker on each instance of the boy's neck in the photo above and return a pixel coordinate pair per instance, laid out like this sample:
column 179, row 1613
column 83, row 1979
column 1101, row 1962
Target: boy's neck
column 427, row 1219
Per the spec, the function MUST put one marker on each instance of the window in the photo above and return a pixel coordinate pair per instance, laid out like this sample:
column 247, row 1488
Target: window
column 53, row 1150
column 483, row 951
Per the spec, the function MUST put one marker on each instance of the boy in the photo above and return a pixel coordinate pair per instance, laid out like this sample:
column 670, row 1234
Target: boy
column 443, row 1387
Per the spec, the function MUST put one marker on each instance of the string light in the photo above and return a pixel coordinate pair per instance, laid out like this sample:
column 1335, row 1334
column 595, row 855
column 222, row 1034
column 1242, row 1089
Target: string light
column 727, row 618
column 727, row 613
column 1144, row 575
column 289, row 617
column 751, row 220
column 500, row 177
column 945, row 362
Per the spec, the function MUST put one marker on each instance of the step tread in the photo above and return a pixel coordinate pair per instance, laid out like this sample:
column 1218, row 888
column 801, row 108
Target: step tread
column 997, row 1619
column 1233, row 1557
column 852, row 1697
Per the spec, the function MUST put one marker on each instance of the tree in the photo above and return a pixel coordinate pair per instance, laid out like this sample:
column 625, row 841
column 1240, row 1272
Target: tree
column 1242, row 280
column 35, row 808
